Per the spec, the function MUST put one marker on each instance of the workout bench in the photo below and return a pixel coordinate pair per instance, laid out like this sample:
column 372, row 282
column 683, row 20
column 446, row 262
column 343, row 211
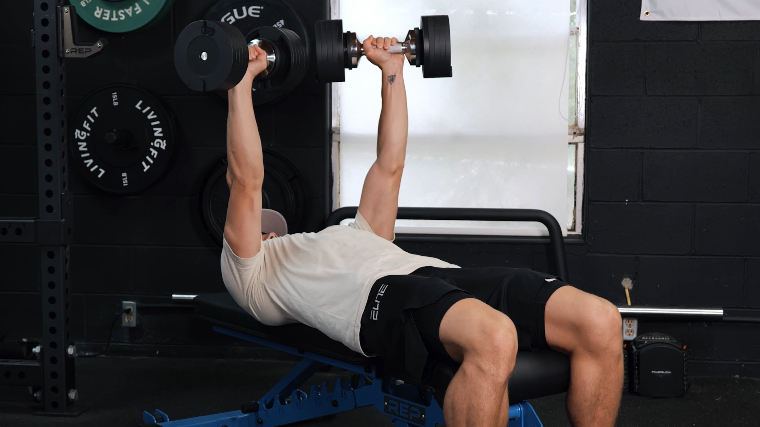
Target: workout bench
column 407, row 402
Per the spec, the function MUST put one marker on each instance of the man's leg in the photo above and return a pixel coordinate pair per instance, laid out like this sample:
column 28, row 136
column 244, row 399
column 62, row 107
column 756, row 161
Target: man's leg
column 588, row 329
column 484, row 340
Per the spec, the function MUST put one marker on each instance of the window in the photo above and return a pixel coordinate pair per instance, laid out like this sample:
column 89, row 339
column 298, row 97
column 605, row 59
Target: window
column 496, row 134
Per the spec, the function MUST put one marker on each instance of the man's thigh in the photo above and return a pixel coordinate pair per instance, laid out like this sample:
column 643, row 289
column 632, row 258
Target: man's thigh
column 521, row 294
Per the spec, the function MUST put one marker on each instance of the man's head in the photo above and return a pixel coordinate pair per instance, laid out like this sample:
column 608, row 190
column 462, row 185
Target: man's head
column 273, row 224
column 267, row 236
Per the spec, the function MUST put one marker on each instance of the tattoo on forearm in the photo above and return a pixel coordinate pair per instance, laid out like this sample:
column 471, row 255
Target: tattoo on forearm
column 391, row 79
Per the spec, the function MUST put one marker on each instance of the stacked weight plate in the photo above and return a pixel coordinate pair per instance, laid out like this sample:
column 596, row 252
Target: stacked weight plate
column 210, row 55
column 436, row 52
column 331, row 51
column 122, row 16
column 247, row 16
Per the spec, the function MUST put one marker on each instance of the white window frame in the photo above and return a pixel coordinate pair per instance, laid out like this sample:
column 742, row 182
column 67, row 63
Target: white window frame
column 576, row 132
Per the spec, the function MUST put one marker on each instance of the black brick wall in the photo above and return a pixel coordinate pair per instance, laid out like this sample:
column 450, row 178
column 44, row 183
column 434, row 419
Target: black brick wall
column 672, row 183
column 672, row 174
column 146, row 246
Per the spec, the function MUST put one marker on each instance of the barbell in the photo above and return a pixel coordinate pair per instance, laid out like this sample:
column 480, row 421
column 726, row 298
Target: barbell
column 428, row 46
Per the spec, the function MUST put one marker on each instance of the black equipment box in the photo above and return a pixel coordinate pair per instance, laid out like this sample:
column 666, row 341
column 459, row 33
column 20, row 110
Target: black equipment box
column 658, row 365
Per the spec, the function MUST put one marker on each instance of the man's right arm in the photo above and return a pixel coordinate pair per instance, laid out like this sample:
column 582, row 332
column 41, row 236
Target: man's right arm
column 245, row 167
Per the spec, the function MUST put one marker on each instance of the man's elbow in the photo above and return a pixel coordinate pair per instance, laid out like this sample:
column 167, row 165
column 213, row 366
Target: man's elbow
column 392, row 168
column 248, row 182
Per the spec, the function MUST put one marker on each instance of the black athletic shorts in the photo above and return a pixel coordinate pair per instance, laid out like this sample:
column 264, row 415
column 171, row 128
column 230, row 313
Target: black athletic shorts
column 403, row 314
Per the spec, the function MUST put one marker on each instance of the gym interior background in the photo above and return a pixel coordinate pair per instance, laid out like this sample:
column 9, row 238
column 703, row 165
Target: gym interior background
column 672, row 185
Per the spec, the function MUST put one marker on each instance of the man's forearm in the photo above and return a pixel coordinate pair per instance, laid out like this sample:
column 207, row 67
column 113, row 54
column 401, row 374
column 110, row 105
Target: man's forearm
column 393, row 126
column 244, row 155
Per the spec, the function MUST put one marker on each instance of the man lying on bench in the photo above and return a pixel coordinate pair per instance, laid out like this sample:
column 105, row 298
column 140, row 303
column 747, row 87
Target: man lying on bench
column 356, row 286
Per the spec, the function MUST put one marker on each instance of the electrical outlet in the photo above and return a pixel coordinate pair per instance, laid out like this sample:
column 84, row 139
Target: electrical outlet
column 129, row 319
column 630, row 329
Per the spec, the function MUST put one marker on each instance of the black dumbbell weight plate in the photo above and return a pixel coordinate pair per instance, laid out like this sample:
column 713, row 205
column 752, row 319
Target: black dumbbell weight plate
column 210, row 55
column 290, row 63
column 330, row 51
column 436, row 46
column 429, row 52
column 250, row 15
column 123, row 139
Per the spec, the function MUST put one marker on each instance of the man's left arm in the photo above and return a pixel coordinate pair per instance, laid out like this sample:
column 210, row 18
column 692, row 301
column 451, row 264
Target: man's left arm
column 379, row 199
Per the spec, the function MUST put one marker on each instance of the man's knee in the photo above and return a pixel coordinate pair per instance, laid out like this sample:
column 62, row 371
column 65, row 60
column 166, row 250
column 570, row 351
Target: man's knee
column 600, row 326
column 483, row 339
column 492, row 346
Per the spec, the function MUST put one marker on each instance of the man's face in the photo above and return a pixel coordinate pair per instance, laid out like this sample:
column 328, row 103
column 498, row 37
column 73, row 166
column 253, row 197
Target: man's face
column 267, row 236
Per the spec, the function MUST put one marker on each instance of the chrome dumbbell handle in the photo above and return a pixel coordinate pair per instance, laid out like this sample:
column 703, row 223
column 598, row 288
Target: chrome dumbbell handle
column 356, row 50
column 396, row 48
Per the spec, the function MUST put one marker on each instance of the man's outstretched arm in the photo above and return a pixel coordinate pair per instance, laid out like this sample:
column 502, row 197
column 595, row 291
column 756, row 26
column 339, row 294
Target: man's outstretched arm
column 245, row 167
column 379, row 199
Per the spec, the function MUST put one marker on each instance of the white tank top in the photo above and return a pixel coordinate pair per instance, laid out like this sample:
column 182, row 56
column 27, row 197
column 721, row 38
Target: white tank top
column 319, row 279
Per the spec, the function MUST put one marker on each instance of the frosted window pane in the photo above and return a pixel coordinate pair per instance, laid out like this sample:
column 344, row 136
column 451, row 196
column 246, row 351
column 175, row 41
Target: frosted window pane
column 493, row 136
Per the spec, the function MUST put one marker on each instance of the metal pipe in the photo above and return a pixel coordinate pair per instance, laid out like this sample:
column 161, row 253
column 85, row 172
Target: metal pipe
column 732, row 315
column 666, row 313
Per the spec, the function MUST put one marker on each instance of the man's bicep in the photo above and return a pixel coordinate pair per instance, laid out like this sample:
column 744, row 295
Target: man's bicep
column 379, row 200
column 242, row 230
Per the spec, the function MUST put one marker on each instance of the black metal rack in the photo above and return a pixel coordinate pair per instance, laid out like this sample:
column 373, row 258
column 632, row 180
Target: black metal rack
column 51, row 374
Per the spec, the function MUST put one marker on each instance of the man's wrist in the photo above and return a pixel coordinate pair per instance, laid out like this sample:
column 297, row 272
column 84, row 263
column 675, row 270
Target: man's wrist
column 392, row 70
column 243, row 89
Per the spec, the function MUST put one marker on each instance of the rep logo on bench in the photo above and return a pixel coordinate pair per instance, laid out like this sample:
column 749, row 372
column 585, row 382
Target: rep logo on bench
column 406, row 411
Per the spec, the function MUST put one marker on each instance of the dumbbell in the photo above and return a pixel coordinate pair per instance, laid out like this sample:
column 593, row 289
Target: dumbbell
column 212, row 55
column 428, row 47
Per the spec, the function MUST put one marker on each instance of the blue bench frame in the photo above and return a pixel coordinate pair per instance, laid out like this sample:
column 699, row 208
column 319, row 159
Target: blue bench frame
column 406, row 405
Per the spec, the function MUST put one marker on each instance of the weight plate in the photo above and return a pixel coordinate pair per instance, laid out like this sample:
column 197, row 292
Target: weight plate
column 121, row 16
column 418, row 43
column 428, row 63
column 123, row 139
column 445, row 39
column 423, row 45
column 320, row 51
column 210, row 55
column 338, row 45
column 428, row 26
column 297, row 50
column 437, row 46
column 251, row 14
column 290, row 63
column 331, row 46
column 282, row 191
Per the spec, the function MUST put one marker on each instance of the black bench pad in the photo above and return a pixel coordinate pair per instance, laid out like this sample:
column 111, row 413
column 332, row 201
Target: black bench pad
column 222, row 310
column 536, row 374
